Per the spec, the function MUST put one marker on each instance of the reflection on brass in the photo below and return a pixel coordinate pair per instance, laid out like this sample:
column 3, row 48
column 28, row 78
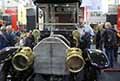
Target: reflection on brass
column 23, row 59
column 74, row 60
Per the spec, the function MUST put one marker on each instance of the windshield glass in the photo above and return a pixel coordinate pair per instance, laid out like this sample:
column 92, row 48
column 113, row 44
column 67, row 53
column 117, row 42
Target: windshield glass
column 60, row 16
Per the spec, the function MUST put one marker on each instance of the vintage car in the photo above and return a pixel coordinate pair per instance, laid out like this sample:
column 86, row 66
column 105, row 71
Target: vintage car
column 57, row 55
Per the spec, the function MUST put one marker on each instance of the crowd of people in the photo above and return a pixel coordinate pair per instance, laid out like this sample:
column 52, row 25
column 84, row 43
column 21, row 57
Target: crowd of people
column 15, row 38
column 106, row 36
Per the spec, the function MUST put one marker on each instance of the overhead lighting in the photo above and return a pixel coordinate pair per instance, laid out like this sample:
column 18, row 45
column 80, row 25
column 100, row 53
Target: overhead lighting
column 67, row 5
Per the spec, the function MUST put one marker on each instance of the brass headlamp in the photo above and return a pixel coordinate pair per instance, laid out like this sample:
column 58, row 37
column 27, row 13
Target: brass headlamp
column 36, row 34
column 76, row 37
column 74, row 60
column 23, row 59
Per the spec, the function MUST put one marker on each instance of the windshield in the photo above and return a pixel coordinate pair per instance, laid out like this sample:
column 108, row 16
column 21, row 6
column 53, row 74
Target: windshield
column 60, row 16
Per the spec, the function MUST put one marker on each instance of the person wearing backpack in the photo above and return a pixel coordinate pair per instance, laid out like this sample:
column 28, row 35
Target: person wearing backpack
column 109, row 41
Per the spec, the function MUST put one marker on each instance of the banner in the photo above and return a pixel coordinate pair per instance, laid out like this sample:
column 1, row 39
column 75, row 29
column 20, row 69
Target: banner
column 92, row 4
column 13, row 13
column 118, row 18
column 22, row 15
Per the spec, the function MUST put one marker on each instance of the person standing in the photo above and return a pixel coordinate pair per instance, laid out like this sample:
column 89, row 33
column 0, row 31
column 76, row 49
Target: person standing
column 29, row 40
column 86, row 34
column 99, row 36
column 117, row 46
column 10, row 35
column 3, row 39
column 109, row 41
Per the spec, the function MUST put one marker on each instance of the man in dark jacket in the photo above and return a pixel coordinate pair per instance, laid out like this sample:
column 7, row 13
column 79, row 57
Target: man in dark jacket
column 3, row 40
column 10, row 35
column 110, row 41
column 29, row 40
